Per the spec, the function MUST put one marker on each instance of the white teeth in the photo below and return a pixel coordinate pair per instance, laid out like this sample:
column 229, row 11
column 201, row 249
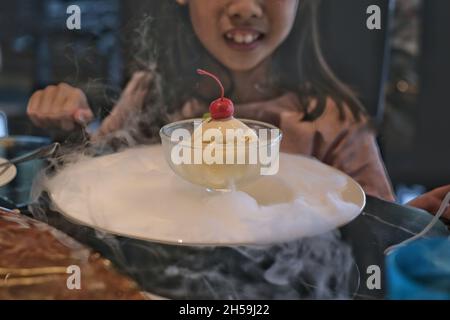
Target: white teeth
column 241, row 38
column 249, row 38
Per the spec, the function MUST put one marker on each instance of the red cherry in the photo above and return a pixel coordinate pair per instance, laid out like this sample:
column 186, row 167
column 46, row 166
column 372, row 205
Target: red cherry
column 221, row 108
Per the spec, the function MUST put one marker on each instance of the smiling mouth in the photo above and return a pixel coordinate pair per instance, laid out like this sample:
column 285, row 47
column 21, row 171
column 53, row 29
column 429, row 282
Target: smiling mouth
column 243, row 39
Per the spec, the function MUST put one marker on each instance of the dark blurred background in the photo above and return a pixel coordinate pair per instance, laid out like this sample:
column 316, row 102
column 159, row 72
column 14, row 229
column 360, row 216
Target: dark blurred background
column 400, row 72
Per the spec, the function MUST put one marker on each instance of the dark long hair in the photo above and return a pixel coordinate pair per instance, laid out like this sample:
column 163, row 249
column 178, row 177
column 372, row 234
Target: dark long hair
column 168, row 47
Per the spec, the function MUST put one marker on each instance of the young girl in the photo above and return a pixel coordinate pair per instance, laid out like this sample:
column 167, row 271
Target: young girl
column 267, row 53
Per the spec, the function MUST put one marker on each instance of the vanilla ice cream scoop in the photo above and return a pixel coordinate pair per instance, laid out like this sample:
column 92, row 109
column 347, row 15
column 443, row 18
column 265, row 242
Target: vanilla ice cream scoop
column 233, row 139
column 224, row 131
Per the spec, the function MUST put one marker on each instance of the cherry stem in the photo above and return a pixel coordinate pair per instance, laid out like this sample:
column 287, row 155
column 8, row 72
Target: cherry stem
column 206, row 73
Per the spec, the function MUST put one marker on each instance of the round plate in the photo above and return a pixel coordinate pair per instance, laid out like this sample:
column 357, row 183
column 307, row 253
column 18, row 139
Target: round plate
column 8, row 175
column 135, row 194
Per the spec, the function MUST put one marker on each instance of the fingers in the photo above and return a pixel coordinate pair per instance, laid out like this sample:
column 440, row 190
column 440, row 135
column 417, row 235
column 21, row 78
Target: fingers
column 440, row 192
column 446, row 214
column 48, row 97
column 120, row 114
column 63, row 106
column 33, row 108
column 83, row 116
column 432, row 201
column 61, row 97
column 59, row 107
column 110, row 124
column 425, row 202
column 53, row 98
column 130, row 102
column 140, row 81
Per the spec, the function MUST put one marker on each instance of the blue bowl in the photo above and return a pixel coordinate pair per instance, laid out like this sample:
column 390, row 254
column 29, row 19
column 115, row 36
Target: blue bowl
column 420, row 270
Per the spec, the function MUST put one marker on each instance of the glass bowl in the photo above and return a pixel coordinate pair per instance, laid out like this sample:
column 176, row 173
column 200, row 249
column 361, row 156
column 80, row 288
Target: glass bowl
column 221, row 166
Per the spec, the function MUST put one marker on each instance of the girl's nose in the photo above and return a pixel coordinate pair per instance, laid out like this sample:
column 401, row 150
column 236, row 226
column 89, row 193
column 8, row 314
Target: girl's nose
column 243, row 10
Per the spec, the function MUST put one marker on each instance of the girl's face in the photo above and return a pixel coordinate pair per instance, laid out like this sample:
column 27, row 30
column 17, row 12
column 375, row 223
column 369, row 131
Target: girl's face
column 242, row 33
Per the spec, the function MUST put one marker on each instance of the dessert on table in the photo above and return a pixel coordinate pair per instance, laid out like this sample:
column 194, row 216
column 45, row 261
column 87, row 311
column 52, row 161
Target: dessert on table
column 223, row 152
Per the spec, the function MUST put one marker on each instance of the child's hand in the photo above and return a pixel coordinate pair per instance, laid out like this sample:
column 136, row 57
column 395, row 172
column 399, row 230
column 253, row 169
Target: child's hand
column 131, row 101
column 431, row 201
column 59, row 107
